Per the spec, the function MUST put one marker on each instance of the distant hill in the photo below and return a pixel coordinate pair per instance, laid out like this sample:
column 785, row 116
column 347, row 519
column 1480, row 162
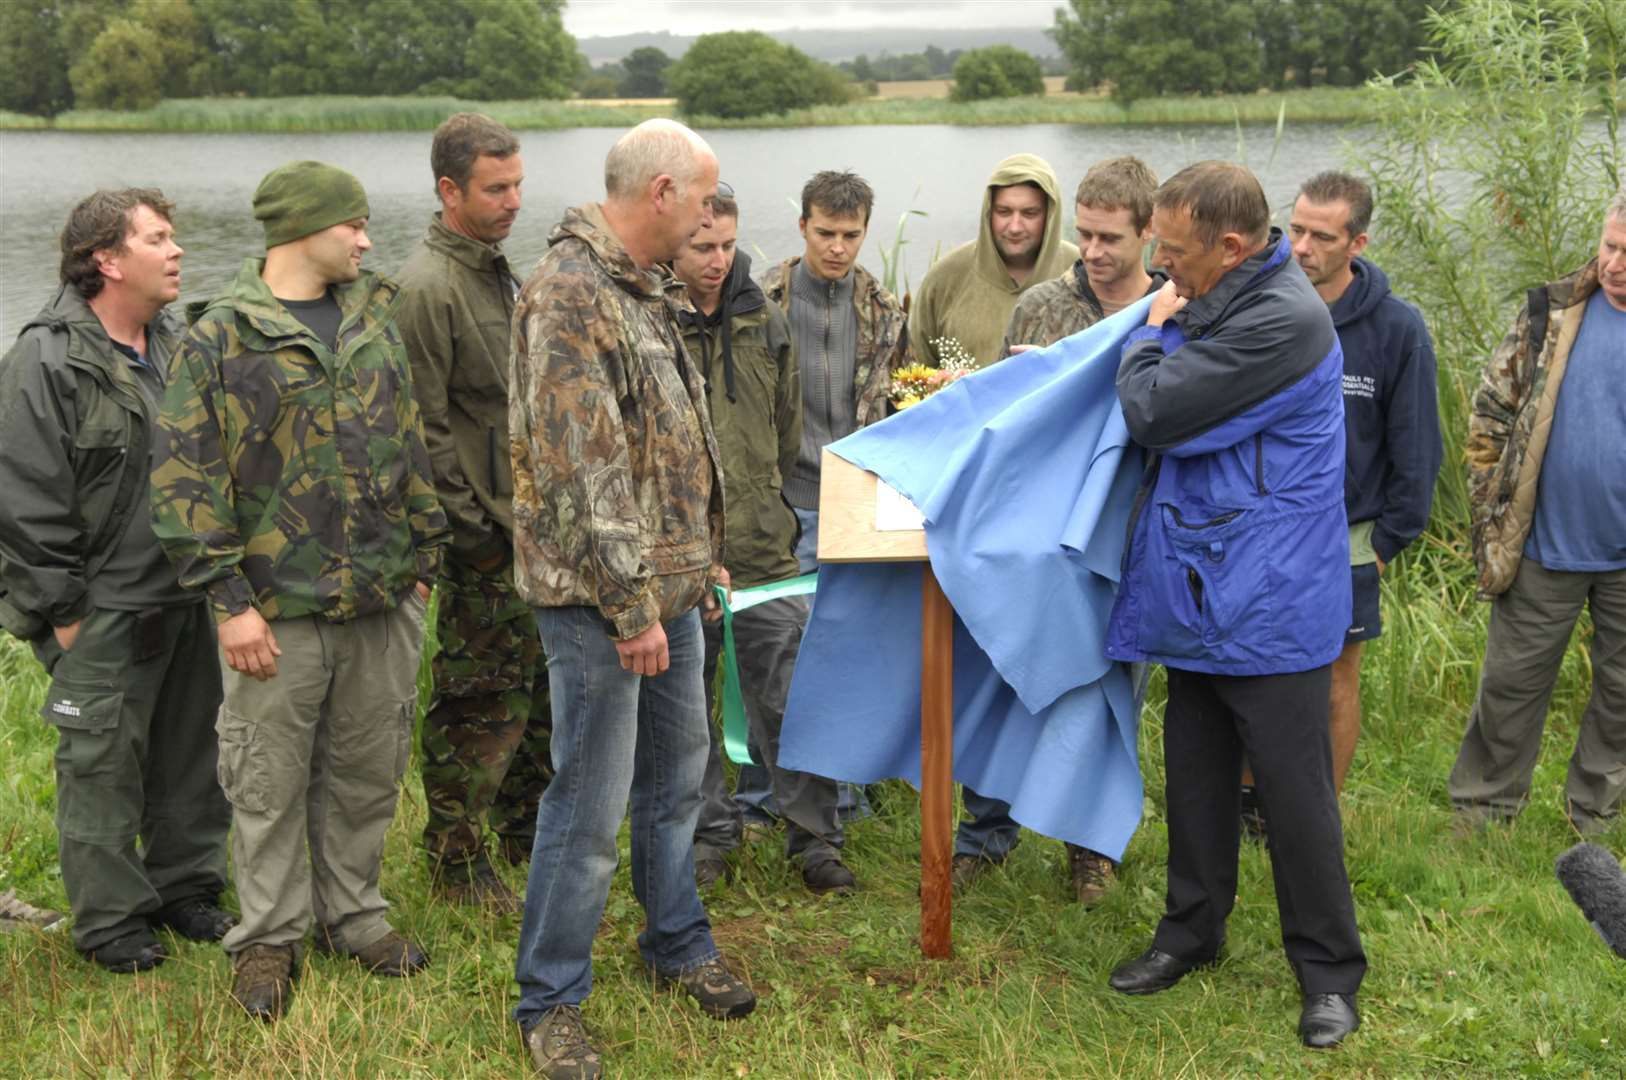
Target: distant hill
column 834, row 45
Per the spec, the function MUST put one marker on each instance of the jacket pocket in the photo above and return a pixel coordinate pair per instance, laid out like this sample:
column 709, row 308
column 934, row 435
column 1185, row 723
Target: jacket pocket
column 1210, row 576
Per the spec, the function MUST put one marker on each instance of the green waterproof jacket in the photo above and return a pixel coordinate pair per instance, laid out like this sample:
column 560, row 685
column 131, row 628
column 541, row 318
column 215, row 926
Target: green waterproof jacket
column 291, row 477
column 74, row 445
column 457, row 305
column 753, row 388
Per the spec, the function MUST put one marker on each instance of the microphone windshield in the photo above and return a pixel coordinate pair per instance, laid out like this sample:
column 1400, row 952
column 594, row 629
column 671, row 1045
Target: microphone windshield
column 1597, row 884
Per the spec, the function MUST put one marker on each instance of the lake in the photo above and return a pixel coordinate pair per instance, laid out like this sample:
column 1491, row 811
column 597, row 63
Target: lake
column 938, row 170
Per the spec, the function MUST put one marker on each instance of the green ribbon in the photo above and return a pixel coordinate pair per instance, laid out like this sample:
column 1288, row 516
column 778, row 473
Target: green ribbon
column 735, row 739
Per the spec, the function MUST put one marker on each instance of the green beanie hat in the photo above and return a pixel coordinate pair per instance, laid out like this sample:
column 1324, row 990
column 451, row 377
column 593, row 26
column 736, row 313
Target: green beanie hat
column 304, row 197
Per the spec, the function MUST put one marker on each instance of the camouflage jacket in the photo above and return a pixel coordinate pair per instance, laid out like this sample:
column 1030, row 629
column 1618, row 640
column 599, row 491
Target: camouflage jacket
column 1512, row 419
column 1056, row 309
column 290, row 477
column 457, row 304
column 883, row 336
column 618, row 493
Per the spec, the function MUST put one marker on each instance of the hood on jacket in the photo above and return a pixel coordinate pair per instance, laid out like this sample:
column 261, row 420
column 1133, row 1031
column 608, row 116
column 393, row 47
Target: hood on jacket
column 1053, row 258
column 1363, row 296
column 740, row 296
column 587, row 224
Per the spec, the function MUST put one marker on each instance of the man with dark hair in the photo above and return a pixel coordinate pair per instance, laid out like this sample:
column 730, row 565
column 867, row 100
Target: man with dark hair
column 131, row 654
column 293, row 488
column 1113, row 210
column 485, row 736
column 753, row 389
column 849, row 334
column 1547, row 486
column 1236, row 579
column 1392, row 445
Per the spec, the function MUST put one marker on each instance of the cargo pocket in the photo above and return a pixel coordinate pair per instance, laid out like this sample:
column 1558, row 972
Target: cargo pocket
column 242, row 778
column 92, row 763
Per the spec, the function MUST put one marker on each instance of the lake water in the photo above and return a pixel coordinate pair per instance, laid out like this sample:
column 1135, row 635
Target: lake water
column 938, row 170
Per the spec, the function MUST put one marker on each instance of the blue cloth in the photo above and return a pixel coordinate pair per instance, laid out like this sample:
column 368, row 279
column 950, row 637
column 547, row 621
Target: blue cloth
column 1025, row 476
column 1580, row 520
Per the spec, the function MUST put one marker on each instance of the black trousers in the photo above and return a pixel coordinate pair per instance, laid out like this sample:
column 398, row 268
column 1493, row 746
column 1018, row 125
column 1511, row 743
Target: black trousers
column 1280, row 723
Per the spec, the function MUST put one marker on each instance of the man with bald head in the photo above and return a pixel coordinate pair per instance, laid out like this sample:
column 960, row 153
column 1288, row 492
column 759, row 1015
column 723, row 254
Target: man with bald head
column 618, row 529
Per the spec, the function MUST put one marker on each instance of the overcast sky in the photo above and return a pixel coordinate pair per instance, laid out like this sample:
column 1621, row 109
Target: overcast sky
column 599, row 18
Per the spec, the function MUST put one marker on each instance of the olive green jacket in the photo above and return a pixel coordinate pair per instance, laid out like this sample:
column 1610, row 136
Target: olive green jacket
column 74, row 446
column 457, row 306
column 291, row 477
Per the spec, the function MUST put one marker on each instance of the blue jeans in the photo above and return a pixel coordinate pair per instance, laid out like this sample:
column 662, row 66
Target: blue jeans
column 614, row 733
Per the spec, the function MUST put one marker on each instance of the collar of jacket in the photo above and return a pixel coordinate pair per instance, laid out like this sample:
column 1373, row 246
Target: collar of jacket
column 1204, row 311
column 776, row 283
column 486, row 258
column 740, row 296
column 250, row 299
column 70, row 313
column 587, row 224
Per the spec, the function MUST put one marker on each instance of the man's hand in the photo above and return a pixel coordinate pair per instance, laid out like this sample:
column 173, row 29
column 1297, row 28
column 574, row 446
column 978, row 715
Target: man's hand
column 423, row 591
column 1164, row 304
column 1381, row 564
column 67, row 635
column 249, row 645
column 710, row 609
column 646, row 653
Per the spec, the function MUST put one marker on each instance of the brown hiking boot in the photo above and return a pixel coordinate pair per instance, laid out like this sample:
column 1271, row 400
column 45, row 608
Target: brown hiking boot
column 559, row 1047
column 968, row 868
column 474, row 883
column 391, row 955
column 1091, row 872
column 263, row 979
column 719, row 991
column 14, row 913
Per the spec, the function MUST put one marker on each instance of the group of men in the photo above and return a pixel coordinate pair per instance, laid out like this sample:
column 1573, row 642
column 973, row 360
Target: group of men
column 292, row 475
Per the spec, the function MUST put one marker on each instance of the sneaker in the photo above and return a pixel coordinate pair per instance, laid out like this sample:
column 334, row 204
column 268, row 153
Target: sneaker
column 473, row 883
column 195, row 920
column 708, row 871
column 263, row 979
column 1092, row 874
column 14, row 913
column 391, row 955
column 720, row 992
column 559, row 1047
column 128, row 953
column 968, row 868
column 1254, row 826
column 829, row 876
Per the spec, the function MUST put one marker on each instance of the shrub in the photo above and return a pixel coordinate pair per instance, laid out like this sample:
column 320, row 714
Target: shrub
column 747, row 73
column 995, row 72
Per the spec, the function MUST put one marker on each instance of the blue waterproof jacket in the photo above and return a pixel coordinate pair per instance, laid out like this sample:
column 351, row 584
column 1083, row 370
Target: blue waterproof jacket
column 1238, row 553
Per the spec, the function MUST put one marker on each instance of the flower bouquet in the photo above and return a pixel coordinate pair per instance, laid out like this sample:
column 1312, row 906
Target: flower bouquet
column 914, row 383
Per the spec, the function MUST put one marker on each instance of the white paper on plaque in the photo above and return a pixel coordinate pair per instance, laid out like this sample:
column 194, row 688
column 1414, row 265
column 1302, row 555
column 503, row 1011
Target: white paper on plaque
column 893, row 512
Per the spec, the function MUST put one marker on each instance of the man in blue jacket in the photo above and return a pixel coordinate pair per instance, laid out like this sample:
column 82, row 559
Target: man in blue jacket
column 1236, row 579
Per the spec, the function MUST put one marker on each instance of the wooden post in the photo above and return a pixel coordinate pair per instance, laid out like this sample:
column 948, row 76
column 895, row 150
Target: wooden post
column 936, row 767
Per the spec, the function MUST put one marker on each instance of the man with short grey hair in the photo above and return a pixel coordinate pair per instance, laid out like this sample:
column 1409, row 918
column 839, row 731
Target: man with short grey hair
column 618, row 533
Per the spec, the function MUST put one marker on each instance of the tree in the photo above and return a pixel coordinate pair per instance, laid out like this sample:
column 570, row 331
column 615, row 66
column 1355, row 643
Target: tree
column 646, row 73
column 747, row 73
column 122, row 69
column 33, row 68
column 1151, row 47
column 995, row 72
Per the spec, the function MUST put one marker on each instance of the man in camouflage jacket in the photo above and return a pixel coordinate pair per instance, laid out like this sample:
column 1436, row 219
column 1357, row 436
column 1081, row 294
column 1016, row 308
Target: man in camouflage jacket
column 1547, row 484
column 485, row 736
column 292, row 486
column 618, row 536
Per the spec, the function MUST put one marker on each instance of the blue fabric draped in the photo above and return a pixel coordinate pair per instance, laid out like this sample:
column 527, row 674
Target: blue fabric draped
column 1025, row 475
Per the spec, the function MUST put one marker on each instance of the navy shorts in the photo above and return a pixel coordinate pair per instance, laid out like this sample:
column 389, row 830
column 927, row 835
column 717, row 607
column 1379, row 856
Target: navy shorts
column 1366, row 622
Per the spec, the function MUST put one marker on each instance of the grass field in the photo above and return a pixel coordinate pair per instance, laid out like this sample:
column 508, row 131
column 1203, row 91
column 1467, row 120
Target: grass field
column 424, row 113
column 1481, row 967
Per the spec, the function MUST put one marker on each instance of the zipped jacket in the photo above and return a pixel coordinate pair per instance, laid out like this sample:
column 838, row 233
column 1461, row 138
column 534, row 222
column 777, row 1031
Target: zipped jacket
column 457, row 306
column 291, row 477
column 754, row 392
column 1513, row 419
column 1237, row 560
column 618, row 492
column 76, row 436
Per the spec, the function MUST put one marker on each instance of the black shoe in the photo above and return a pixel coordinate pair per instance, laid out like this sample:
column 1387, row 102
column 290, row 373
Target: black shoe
column 128, row 953
column 1152, row 971
column 195, row 920
column 830, row 876
column 709, row 871
column 1254, row 826
column 1327, row 1018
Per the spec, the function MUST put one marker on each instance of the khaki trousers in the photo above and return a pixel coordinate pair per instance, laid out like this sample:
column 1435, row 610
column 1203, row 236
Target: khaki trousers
column 313, row 757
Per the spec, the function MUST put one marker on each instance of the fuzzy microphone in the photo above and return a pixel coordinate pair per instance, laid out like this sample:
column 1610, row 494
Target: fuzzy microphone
column 1598, row 886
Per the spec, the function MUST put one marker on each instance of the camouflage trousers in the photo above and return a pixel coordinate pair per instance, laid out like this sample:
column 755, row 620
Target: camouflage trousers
column 485, row 738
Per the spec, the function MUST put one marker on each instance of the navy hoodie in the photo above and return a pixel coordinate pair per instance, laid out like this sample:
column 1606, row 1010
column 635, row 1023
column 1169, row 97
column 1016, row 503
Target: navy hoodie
column 1391, row 417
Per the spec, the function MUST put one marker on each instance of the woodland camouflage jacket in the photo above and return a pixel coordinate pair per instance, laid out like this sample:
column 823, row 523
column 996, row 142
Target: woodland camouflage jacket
column 290, row 477
column 1058, row 308
column 883, row 338
column 618, row 494
column 1512, row 419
